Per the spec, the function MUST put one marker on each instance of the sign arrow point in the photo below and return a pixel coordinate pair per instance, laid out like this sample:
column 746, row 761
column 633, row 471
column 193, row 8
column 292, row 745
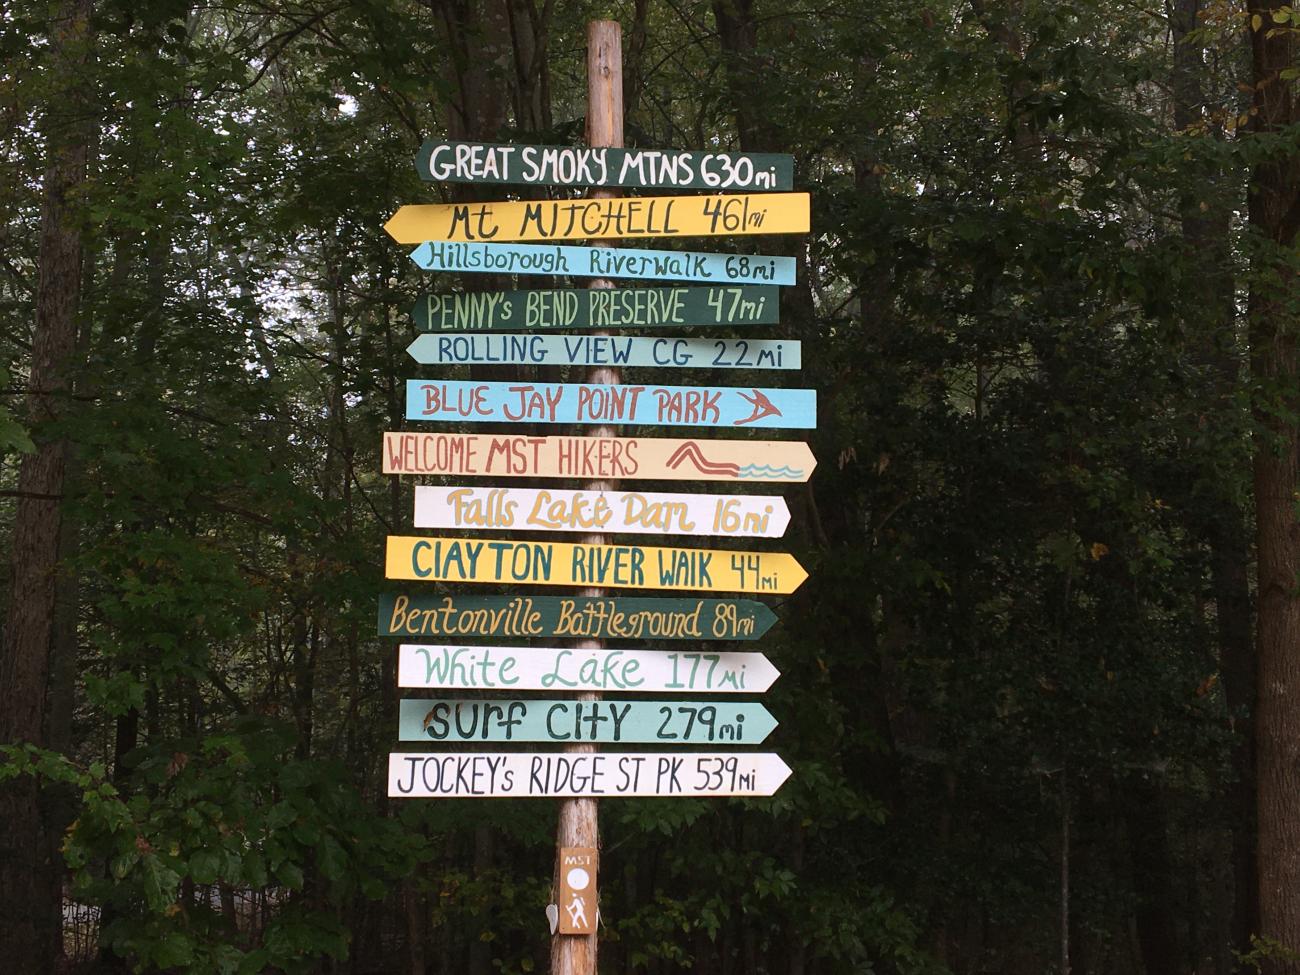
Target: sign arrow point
column 783, row 772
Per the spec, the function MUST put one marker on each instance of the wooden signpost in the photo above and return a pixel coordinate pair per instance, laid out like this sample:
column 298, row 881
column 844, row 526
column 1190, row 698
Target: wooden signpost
column 558, row 669
column 508, row 562
column 596, row 219
column 603, row 262
column 685, row 169
column 539, row 509
column 616, row 458
column 506, row 348
column 502, row 328
column 498, row 775
column 560, row 721
column 724, row 304
column 467, row 401
column 422, row 614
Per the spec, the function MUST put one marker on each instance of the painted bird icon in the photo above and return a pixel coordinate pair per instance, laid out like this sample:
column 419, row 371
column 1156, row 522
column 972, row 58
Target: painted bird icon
column 762, row 407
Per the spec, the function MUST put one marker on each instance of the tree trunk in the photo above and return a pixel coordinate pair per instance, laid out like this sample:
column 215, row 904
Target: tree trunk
column 30, row 878
column 1274, row 208
column 1206, row 218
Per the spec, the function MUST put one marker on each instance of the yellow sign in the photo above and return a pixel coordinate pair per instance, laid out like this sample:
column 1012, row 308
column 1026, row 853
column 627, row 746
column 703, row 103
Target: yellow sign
column 647, row 216
column 491, row 560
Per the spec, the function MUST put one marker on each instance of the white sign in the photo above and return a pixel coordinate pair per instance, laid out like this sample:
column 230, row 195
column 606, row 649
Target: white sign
column 558, row 669
column 637, row 512
column 555, row 774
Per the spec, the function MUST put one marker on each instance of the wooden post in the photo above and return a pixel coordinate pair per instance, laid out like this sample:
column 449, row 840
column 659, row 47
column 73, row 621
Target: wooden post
column 573, row 954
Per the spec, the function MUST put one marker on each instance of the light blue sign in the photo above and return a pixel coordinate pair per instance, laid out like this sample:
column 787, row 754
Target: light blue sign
column 636, row 405
column 453, row 348
column 613, row 722
column 604, row 262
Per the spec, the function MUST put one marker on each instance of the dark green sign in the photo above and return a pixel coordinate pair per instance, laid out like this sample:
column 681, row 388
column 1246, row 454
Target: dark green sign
column 698, row 169
column 598, row 308
column 421, row 615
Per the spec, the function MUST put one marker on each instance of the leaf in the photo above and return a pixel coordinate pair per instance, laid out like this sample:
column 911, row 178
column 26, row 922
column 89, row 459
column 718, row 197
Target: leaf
column 289, row 874
column 205, row 867
column 173, row 949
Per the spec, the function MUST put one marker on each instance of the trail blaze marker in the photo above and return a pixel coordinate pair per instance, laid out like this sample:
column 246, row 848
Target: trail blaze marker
column 565, row 721
column 572, row 617
column 592, row 219
column 557, row 669
column 603, row 262
column 695, row 169
column 602, row 458
column 494, row 560
column 552, row 308
column 467, row 401
column 578, row 894
column 505, row 348
column 735, row 516
column 492, row 775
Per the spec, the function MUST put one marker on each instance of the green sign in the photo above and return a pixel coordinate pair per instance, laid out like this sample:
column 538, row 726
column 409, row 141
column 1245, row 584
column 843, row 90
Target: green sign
column 571, row 617
column 696, row 169
column 752, row 304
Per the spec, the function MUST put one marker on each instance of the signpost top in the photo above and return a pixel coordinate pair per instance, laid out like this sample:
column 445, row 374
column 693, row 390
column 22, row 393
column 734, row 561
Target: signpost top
column 599, row 166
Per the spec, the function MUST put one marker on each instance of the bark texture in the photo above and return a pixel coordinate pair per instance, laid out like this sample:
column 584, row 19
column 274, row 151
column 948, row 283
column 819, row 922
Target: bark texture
column 1274, row 207
column 30, row 878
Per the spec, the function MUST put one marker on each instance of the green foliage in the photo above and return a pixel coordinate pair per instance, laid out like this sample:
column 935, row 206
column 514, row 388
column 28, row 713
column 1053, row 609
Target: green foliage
column 1033, row 457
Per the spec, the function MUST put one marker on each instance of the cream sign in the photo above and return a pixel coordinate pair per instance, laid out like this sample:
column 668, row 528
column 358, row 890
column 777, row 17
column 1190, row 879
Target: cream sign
column 646, row 513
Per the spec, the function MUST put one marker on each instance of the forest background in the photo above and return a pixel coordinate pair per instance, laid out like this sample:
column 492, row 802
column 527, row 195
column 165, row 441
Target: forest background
column 1048, row 306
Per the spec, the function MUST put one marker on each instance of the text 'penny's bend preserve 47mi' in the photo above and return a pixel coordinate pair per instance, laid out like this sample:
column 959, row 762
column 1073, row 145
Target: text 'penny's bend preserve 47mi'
column 743, row 194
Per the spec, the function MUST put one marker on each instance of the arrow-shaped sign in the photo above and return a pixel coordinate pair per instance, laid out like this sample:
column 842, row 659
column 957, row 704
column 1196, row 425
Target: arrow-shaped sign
column 498, row 775
column 624, row 217
column 699, row 169
column 558, row 669
column 569, row 721
column 504, row 348
column 494, row 560
column 555, row 509
column 561, row 308
column 603, row 262
column 597, row 458
column 469, row 401
column 423, row 614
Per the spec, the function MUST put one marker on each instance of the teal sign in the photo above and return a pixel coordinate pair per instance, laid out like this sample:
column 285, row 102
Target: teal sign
column 464, row 401
column 565, row 722
column 508, row 348
column 603, row 262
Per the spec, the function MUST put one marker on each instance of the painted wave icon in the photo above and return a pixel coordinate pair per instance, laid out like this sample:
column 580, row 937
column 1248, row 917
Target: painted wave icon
column 761, row 471
column 690, row 452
